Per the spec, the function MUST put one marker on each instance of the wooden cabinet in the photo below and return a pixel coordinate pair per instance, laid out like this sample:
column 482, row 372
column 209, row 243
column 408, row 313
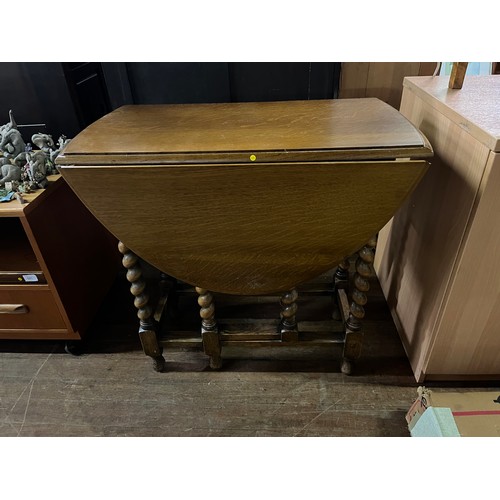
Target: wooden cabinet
column 438, row 259
column 56, row 264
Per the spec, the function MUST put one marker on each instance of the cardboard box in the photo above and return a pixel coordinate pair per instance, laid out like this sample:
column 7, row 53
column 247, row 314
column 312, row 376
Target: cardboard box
column 454, row 414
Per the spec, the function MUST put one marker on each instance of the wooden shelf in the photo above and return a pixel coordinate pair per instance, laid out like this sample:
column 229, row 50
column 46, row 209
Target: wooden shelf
column 16, row 253
column 15, row 208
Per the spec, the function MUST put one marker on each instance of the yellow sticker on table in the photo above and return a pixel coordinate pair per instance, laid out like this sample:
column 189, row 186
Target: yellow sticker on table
column 253, row 157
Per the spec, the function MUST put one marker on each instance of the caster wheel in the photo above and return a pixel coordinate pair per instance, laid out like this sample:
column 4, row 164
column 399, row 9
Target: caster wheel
column 73, row 348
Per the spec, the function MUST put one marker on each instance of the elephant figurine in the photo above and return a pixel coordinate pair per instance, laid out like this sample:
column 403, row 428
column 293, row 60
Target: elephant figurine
column 9, row 172
column 62, row 142
column 18, row 157
column 12, row 143
column 37, row 168
column 11, row 140
column 46, row 144
column 43, row 141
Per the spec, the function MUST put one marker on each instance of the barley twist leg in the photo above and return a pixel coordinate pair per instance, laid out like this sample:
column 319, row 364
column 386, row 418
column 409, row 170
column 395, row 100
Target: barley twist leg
column 147, row 328
column 288, row 324
column 209, row 328
column 354, row 331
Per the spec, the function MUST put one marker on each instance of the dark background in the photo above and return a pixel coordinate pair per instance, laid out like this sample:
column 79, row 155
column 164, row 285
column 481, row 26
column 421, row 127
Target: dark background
column 67, row 97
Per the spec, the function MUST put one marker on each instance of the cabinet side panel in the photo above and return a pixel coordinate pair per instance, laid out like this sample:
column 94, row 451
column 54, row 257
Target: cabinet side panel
column 421, row 245
column 469, row 330
column 80, row 255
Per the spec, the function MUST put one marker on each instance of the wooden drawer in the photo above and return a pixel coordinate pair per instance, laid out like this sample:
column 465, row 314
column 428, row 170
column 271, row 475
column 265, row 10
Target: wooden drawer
column 36, row 308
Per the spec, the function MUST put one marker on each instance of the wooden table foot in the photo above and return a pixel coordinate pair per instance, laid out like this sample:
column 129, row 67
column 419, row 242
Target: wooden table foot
column 352, row 349
column 215, row 362
column 152, row 348
column 346, row 366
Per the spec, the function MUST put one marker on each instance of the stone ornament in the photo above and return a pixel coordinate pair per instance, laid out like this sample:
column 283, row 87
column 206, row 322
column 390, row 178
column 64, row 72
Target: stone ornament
column 23, row 168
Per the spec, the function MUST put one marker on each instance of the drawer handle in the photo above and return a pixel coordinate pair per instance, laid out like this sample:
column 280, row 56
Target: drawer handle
column 14, row 309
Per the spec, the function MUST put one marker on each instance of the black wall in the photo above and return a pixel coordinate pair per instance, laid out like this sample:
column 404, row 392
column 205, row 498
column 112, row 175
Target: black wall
column 154, row 83
column 283, row 81
column 69, row 96
column 37, row 93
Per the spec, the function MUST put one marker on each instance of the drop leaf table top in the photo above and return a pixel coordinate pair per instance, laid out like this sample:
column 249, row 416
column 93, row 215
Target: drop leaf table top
column 246, row 198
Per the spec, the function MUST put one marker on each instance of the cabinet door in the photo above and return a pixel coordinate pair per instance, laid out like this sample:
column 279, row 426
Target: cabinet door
column 88, row 90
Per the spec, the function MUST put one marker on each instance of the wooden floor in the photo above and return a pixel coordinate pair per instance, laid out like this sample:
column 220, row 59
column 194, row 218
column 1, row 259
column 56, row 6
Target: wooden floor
column 112, row 389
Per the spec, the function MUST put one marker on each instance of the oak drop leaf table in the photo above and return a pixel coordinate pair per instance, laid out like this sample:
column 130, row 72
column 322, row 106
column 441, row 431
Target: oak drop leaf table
column 248, row 199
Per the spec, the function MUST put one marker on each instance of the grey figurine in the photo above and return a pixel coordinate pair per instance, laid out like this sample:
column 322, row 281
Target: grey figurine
column 11, row 140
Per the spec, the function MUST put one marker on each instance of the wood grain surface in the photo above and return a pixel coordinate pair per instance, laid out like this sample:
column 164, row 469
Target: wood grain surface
column 15, row 208
column 475, row 107
column 416, row 253
column 245, row 229
column 286, row 126
column 468, row 340
column 437, row 260
column 42, row 311
column 246, row 198
column 457, row 75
